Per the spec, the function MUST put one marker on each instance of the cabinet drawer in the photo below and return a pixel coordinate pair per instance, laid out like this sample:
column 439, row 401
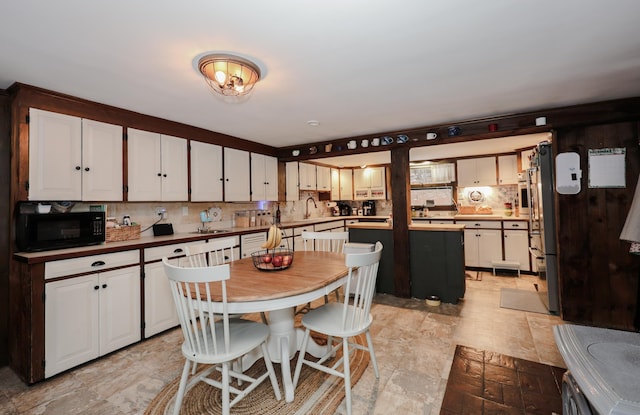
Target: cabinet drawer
column 235, row 238
column 288, row 232
column 298, row 231
column 157, row 252
column 515, row 224
column 480, row 224
column 442, row 221
column 329, row 225
column 91, row 263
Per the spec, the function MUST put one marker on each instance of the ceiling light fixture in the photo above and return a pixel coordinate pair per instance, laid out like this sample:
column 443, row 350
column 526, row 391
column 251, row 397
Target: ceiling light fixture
column 313, row 123
column 229, row 75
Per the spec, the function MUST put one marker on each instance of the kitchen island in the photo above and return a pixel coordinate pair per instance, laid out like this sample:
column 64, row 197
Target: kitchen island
column 436, row 257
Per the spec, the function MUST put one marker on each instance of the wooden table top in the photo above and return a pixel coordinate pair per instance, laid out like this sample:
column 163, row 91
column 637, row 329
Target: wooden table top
column 308, row 272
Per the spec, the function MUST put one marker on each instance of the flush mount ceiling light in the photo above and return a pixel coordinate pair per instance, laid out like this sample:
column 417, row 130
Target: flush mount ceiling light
column 229, row 75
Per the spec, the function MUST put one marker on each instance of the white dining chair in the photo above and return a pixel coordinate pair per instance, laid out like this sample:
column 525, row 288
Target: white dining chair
column 327, row 242
column 324, row 241
column 211, row 341
column 344, row 320
column 215, row 252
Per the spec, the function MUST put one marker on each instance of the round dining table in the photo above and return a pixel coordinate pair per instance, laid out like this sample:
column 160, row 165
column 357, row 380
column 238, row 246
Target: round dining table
column 310, row 276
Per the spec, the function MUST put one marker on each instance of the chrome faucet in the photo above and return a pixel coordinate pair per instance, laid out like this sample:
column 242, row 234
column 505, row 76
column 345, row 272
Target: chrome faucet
column 307, row 215
column 455, row 205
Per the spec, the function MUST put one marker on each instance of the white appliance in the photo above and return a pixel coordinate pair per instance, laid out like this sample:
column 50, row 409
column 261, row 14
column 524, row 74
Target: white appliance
column 251, row 242
column 603, row 370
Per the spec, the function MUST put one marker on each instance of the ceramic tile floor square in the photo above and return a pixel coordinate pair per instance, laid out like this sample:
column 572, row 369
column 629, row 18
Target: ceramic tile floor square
column 414, row 344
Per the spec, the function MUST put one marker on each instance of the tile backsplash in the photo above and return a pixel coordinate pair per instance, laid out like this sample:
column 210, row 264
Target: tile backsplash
column 493, row 196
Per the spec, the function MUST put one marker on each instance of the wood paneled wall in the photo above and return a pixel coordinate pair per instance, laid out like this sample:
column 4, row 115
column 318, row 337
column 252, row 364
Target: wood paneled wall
column 598, row 277
column 5, row 221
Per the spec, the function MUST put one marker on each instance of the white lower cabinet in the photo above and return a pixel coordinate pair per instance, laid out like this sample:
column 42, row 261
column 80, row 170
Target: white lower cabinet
column 159, row 309
column 516, row 248
column 481, row 246
column 89, row 316
column 298, row 243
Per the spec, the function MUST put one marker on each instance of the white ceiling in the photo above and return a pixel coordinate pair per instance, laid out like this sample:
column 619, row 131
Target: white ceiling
column 359, row 67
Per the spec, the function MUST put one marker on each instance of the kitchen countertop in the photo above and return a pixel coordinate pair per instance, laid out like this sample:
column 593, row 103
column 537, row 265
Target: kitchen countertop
column 183, row 237
column 470, row 217
column 412, row 226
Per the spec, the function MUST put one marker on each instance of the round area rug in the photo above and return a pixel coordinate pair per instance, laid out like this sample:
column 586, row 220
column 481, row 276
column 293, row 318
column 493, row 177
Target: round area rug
column 316, row 393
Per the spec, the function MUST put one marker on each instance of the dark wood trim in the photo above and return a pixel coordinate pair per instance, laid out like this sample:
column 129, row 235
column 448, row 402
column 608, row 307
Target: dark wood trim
column 477, row 129
column 5, row 222
column 30, row 96
column 401, row 214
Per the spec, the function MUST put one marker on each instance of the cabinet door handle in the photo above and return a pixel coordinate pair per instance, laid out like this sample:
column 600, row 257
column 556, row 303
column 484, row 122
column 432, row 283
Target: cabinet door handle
column 104, row 285
column 177, row 251
column 98, row 264
column 96, row 287
column 86, row 169
column 78, row 167
column 164, row 175
column 515, row 225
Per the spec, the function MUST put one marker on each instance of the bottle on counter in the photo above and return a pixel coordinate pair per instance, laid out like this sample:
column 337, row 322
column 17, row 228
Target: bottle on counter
column 278, row 215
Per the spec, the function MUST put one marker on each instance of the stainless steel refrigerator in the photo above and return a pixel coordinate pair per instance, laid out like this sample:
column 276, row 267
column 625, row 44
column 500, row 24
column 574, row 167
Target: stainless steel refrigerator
column 542, row 224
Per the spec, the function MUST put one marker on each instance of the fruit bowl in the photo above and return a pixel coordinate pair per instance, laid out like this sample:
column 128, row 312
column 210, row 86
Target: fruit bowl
column 272, row 259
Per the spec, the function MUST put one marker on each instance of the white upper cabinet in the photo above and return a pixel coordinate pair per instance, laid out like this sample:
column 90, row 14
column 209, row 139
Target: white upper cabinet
column 292, row 185
column 237, row 177
column 346, row 184
column 206, row 172
column 477, row 172
column 157, row 167
column 73, row 159
column 323, row 178
column 369, row 183
column 264, row 177
column 432, row 174
column 335, row 184
column 508, row 169
column 101, row 161
column 307, row 176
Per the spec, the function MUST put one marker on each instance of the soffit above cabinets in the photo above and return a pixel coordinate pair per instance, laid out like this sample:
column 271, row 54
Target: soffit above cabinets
column 443, row 151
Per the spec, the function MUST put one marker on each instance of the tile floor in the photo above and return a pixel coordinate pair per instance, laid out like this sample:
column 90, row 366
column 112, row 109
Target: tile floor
column 414, row 345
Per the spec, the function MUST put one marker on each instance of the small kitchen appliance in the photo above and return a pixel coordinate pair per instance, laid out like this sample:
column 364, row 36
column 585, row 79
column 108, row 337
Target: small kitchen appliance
column 345, row 209
column 42, row 232
column 369, row 208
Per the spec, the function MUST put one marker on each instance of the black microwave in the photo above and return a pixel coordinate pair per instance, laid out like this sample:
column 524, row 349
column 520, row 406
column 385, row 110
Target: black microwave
column 42, row 232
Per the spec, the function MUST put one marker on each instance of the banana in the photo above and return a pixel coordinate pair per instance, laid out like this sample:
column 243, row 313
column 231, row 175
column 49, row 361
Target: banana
column 274, row 237
column 270, row 239
column 278, row 239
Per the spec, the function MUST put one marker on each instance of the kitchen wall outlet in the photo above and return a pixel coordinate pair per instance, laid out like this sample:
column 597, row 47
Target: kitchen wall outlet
column 185, row 211
column 162, row 212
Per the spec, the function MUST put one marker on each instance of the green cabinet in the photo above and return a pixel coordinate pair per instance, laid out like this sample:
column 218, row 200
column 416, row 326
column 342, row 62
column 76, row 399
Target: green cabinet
column 384, row 283
column 437, row 264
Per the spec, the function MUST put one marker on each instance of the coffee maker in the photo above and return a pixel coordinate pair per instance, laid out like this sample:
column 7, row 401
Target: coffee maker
column 369, row 208
column 345, row 209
